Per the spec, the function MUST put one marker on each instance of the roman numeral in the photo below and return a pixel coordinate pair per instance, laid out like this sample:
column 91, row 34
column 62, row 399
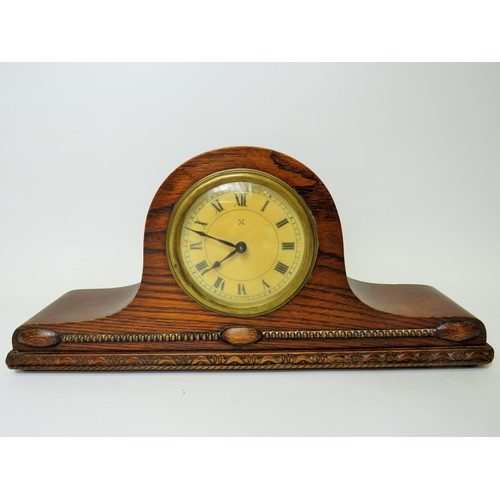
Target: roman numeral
column 241, row 199
column 281, row 268
column 219, row 283
column 265, row 285
column 195, row 246
column 288, row 246
column 282, row 223
column 202, row 265
column 241, row 289
column 216, row 204
column 201, row 223
column 265, row 205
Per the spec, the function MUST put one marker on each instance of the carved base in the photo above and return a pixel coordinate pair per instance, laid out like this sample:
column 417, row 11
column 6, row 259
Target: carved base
column 372, row 358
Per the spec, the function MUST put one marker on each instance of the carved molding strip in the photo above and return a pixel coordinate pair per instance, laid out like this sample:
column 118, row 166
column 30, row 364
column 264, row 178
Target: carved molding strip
column 269, row 335
column 376, row 358
column 137, row 337
column 350, row 334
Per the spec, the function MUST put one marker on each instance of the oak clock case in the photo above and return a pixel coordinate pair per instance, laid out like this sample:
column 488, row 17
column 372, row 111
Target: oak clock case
column 244, row 269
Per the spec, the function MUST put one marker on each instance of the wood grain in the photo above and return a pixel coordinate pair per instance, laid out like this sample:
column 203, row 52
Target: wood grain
column 152, row 313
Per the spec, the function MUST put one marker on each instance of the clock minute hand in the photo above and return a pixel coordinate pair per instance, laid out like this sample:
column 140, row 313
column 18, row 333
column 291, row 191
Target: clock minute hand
column 205, row 235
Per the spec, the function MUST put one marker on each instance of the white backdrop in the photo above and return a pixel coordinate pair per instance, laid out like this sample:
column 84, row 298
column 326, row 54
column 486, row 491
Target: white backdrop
column 410, row 153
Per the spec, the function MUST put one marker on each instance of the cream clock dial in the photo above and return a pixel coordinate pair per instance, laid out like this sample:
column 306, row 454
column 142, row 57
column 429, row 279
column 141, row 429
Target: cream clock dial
column 241, row 242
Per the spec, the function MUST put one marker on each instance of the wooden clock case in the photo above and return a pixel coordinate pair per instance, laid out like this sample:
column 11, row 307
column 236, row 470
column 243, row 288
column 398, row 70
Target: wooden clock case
column 333, row 322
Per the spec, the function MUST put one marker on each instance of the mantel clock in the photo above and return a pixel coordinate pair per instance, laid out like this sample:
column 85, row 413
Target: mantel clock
column 244, row 269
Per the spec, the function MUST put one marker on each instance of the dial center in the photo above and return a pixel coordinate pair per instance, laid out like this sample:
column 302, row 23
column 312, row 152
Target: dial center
column 256, row 244
column 241, row 247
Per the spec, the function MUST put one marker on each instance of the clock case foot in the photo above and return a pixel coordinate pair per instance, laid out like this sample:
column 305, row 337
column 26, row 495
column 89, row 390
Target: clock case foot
column 333, row 322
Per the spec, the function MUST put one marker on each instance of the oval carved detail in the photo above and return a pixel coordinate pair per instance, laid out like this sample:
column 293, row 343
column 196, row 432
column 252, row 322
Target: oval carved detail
column 457, row 332
column 241, row 335
column 39, row 338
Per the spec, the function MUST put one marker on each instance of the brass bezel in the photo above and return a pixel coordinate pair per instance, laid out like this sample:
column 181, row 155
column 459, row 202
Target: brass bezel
column 186, row 204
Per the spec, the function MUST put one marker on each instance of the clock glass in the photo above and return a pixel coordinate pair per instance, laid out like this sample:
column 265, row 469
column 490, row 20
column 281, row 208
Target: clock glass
column 241, row 242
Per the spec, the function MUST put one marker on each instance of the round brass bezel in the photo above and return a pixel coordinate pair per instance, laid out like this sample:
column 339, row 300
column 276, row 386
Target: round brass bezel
column 186, row 205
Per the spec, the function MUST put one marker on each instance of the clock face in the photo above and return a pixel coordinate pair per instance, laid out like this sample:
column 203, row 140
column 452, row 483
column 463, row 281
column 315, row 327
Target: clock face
column 241, row 242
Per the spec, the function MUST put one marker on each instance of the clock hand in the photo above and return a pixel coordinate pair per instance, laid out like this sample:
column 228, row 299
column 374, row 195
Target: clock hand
column 205, row 235
column 226, row 257
column 219, row 262
column 240, row 248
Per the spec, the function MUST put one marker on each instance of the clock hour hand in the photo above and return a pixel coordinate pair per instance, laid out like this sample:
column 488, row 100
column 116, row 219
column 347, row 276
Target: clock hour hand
column 205, row 235
column 240, row 248
column 219, row 262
